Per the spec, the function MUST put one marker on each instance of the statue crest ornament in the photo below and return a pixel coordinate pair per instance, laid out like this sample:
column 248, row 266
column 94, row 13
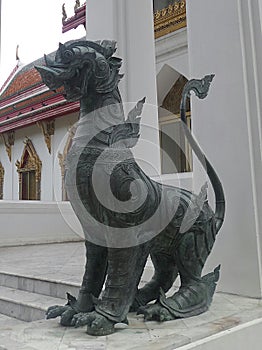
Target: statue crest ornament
column 125, row 215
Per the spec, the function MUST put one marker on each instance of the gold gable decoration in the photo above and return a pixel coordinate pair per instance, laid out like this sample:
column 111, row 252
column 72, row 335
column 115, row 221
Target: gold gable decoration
column 30, row 164
column 48, row 130
column 9, row 141
column 2, row 174
column 62, row 158
column 170, row 19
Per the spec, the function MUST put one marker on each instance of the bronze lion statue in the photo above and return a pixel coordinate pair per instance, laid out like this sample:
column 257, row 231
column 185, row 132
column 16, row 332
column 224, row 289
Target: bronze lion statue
column 125, row 215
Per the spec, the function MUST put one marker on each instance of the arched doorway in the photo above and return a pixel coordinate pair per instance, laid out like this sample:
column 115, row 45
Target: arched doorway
column 29, row 170
column 176, row 154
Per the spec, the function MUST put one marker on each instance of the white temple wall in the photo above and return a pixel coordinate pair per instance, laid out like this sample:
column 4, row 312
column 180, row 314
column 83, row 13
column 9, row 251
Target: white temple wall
column 224, row 38
column 49, row 161
column 45, row 221
column 172, row 50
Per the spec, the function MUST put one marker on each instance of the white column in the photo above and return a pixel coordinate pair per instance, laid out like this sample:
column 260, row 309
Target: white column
column 225, row 39
column 130, row 23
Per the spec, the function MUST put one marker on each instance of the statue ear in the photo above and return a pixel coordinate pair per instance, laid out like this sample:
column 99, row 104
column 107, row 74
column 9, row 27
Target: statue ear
column 109, row 47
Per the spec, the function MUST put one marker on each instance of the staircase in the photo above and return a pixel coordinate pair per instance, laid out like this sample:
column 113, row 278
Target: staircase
column 27, row 298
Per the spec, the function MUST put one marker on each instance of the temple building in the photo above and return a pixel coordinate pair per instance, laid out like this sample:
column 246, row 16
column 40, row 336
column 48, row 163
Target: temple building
column 163, row 43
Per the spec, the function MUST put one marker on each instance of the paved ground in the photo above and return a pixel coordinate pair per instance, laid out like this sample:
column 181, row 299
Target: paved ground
column 64, row 262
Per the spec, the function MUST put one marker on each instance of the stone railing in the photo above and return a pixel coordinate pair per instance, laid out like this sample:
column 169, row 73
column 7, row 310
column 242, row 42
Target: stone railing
column 170, row 19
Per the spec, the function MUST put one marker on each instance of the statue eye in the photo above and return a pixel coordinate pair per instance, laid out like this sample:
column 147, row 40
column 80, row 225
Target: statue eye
column 67, row 56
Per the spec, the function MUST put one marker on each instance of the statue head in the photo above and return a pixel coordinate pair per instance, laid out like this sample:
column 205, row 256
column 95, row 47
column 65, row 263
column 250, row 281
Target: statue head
column 82, row 67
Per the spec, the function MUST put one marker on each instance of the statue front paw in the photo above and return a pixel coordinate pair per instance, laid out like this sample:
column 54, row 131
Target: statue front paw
column 80, row 319
column 66, row 312
column 155, row 312
column 97, row 324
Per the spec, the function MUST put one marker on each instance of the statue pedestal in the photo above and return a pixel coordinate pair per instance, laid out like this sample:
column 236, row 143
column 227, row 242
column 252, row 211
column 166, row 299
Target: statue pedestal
column 225, row 39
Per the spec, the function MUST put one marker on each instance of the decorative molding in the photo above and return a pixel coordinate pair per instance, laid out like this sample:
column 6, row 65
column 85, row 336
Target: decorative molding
column 48, row 129
column 29, row 162
column 2, row 174
column 9, row 140
column 170, row 19
column 55, row 110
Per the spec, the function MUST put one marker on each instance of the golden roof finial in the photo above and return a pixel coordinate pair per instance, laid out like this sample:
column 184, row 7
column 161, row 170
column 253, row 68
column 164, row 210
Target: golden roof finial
column 77, row 4
column 64, row 13
column 16, row 53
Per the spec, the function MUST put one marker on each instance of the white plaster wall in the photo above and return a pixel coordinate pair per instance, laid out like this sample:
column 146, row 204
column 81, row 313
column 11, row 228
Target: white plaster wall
column 224, row 37
column 36, row 222
column 48, row 220
column 172, row 50
column 51, row 173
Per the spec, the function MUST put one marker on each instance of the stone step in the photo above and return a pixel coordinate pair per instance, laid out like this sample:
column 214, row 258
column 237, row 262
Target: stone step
column 25, row 306
column 52, row 288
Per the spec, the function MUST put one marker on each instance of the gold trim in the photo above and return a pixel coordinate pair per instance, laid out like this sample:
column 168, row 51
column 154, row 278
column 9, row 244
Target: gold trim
column 9, row 142
column 2, row 174
column 170, row 19
column 48, row 129
column 29, row 162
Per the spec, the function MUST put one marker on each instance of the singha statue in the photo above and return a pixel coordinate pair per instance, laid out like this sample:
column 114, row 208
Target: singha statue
column 125, row 215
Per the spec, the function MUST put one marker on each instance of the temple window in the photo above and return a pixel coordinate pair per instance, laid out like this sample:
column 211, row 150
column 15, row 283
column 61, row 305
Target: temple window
column 176, row 153
column 2, row 173
column 29, row 170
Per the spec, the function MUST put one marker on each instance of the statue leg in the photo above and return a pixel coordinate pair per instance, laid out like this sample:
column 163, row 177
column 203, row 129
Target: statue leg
column 195, row 293
column 165, row 274
column 93, row 280
column 125, row 267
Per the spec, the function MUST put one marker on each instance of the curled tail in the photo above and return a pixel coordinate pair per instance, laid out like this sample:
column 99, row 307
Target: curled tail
column 201, row 87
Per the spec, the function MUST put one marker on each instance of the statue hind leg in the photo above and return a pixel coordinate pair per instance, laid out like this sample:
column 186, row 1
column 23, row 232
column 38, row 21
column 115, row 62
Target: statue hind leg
column 195, row 293
column 164, row 276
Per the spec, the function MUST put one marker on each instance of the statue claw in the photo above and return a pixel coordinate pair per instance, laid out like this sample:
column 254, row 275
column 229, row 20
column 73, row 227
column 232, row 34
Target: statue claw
column 98, row 325
column 66, row 317
column 55, row 311
column 155, row 312
column 79, row 320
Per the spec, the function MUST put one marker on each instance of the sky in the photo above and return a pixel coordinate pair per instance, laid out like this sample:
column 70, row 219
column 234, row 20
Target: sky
column 34, row 25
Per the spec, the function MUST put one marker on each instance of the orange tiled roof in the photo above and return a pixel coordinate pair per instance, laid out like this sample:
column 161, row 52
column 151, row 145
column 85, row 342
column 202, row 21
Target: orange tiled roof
column 25, row 99
column 24, row 79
